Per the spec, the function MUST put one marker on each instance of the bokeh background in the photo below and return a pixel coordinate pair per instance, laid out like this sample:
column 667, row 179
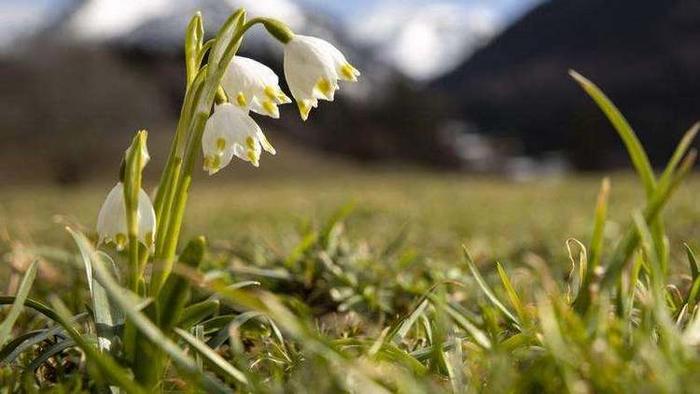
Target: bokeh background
column 469, row 85
column 464, row 107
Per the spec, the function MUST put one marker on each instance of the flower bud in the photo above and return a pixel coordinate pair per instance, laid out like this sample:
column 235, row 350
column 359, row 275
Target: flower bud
column 278, row 30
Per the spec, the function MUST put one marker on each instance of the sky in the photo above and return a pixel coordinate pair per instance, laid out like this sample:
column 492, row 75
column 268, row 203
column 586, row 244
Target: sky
column 337, row 7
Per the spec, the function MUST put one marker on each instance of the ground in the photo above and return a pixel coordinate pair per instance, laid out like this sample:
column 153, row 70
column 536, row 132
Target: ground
column 355, row 281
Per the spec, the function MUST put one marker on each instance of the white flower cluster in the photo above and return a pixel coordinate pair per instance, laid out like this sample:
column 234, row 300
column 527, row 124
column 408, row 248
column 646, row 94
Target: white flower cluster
column 312, row 67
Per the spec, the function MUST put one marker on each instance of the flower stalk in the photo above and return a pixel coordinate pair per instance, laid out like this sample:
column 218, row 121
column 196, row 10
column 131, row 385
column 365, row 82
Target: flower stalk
column 327, row 65
column 222, row 92
column 135, row 160
column 201, row 104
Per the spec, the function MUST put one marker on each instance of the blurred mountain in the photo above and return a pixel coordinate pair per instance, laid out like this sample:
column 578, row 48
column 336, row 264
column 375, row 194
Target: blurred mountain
column 158, row 25
column 644, row 54
column 425, row 41
column 422, row 41
column 106, row 68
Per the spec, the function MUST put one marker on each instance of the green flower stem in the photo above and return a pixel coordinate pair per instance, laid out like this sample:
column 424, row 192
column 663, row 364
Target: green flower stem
column 144, row 254
column 177, row 289
column 132, row 186
column 171, row 174
column 191, row 99
column 134, row 264
column 162, row 205
column 164, row 265
column 194, row 53
column 202, row 106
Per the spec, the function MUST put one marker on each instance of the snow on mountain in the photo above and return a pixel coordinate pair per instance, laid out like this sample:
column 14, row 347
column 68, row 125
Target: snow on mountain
column 98, row 20
column 428, row 40
column 107, row 19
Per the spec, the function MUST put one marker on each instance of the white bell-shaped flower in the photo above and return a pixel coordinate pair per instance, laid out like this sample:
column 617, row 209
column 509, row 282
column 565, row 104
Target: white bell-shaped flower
column 111, row 221
column 229, row 132
column 253, row 86
column 313, row 67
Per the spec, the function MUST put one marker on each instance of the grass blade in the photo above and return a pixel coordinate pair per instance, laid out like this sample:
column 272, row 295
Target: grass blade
column 223, row 334
column 400, row 328
column 212, row 357
column 486, row 289
column 51, row 351
column 121, row 298
column 640, row 160
column 106, row 317
column 18, row 303
column 678, row 154
column 637, row 154
column 512, row 294
column 195, row 313
column 554, row 341
column 15, row 348
column 479, row 336
column 30, row 303
column 601, row 213
column 107, row 366
column 631, row 240
column 18, row 342
column 668, row 334
column 692, row 261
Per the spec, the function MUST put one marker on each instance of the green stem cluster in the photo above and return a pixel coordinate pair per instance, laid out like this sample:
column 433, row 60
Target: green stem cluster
column 206, row 63
column 203, row 85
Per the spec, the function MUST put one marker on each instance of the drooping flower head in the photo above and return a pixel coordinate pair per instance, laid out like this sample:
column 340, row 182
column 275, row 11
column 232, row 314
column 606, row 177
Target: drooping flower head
column 253, row 86
column 229, row 132
column 111, row 221
column 313, row 67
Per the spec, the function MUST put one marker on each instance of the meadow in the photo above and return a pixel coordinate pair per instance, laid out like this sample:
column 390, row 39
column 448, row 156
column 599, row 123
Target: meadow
column 432, row 212
column 403, row 228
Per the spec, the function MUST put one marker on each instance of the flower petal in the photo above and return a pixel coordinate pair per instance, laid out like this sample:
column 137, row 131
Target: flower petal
column 229, row 132
column 111, row 221
column 312, row 67
column 253, row 86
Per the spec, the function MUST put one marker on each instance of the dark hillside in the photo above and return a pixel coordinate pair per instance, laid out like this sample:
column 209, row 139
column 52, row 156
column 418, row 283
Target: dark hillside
column 644, row 54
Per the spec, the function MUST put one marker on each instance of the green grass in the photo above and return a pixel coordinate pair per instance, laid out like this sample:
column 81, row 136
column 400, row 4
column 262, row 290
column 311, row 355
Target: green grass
column 402, row 235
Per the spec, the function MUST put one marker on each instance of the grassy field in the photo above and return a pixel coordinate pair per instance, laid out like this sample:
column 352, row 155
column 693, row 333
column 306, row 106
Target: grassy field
column 437, row 212
column 356, row 281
